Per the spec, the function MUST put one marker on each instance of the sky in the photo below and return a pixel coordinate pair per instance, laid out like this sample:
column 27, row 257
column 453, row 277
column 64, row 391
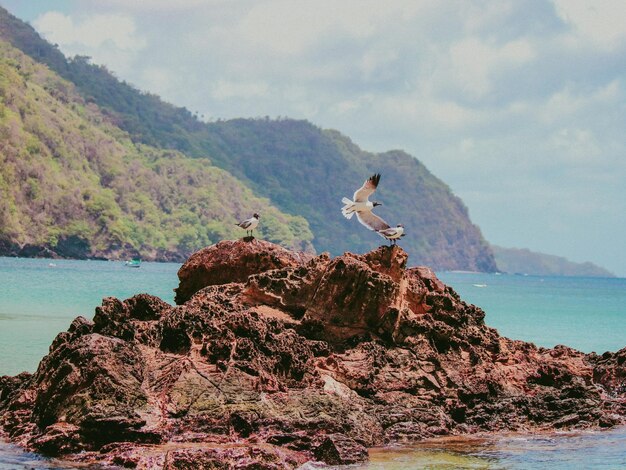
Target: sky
column 518, row 105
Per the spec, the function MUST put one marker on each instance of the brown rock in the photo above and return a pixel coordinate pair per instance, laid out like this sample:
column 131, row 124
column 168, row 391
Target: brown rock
column 338, row 449
column 244, row 458
column 610, row 370
column 276, row 359
column 232, row 261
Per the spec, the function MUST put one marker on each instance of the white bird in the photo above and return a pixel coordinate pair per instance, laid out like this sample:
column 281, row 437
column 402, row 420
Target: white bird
column 382, row 228
column 250, row 224
column 361, row 202
column 393, row 233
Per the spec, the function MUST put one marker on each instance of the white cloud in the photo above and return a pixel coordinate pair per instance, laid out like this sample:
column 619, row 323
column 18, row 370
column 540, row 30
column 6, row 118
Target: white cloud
column 150, row 6
column 601, row 21
column 568, row 102
column 576, row 145
column 91, row 31
column 223, row 89
column 474, row 61
column 481, row 16
column 159, row 80
column 110, row 39
column 289, row 28
column 377, row 62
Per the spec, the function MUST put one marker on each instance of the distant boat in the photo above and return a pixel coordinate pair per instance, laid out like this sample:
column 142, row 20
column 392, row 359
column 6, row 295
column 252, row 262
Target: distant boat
column 133, row 263
column 479, row 285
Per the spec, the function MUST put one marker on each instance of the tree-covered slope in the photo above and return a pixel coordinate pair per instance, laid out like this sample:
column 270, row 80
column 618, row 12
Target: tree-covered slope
column 73, row 183
column 303, row 169
column 524, row 261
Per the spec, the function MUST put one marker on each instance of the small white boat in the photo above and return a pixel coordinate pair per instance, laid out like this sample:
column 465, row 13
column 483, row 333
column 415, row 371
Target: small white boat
column 133, row 263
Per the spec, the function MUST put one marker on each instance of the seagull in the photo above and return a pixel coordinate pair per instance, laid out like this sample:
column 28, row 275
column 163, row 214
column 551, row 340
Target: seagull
column 382, row 228
column 393, row 233
column 250, row 224
column 361, row 203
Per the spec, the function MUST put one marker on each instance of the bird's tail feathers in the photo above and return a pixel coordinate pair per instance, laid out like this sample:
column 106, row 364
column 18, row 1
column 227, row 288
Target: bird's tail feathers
column 348, row 209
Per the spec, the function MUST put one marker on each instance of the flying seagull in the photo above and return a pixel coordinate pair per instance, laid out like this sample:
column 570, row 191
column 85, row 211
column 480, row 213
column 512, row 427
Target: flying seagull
column 382, row 228
column 361, row 202
column 250, row 224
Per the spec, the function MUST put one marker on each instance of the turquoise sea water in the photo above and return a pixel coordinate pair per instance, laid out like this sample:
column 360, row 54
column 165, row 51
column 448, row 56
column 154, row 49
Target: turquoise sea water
column 585, row 313
column 39, row 298
column 554, row 451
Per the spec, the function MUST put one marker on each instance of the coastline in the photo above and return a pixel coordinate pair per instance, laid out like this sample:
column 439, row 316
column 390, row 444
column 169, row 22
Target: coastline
column 44, row 252
column 560, row 449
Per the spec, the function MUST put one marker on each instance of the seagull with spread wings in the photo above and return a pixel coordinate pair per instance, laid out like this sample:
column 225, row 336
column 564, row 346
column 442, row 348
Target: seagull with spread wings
column 382, row 228
column 362, row 207
column 361, row 202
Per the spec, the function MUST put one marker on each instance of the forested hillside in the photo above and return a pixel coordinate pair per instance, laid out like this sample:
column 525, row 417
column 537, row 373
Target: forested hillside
column 71, row 183
column 302, row 169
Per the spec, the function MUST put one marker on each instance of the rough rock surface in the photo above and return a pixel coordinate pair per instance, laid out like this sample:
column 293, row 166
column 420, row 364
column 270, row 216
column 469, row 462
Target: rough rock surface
column 232, row 261
column 275, row 359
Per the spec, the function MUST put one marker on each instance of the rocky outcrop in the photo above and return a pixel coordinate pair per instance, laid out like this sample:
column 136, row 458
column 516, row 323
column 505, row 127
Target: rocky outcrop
column 273, row 359
column 232, row 261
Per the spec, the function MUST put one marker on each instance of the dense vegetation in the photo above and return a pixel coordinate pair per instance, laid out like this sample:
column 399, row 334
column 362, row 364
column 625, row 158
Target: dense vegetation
column 302, row 169
column 524, row 261
column 74, row 183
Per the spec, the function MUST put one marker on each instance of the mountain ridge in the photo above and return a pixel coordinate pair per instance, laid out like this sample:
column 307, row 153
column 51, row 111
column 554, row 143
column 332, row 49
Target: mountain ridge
column 302, row 169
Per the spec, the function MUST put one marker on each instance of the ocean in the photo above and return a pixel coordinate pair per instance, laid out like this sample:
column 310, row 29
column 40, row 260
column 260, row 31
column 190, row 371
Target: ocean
column 40, row 297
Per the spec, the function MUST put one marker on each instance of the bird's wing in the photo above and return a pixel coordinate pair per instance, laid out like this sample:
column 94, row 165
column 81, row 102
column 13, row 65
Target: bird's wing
column 368, row 188
column 388, row 232
column 372, row 221
column 246, row 223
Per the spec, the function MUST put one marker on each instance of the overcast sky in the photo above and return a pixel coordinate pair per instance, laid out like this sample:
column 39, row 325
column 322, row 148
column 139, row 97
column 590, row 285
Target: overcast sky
column 519, row 106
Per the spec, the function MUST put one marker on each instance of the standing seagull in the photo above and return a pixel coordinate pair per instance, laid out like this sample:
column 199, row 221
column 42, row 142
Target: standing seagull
column 250, row 224
column 361, row 203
